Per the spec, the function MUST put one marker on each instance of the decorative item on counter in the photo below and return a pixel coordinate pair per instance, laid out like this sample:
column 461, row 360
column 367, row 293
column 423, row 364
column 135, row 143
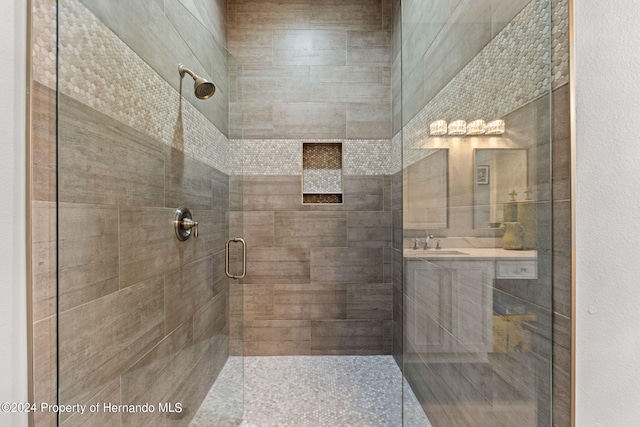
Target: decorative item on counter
column 527, row 210
column 512, row 239
column 510, row 334
column 510, row 209
column 509, row 309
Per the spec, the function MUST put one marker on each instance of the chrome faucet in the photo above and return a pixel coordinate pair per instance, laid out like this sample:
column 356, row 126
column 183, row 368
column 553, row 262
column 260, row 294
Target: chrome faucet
column 426, row 240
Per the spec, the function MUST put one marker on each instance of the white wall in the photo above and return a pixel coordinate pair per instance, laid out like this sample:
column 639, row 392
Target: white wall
column 608, row 212
column 13, row 319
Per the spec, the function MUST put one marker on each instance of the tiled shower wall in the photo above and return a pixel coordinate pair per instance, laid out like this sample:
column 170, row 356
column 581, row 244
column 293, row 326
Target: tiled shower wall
column 312, row 69
column 318, row 277
column 136, row 307
column 438, row 60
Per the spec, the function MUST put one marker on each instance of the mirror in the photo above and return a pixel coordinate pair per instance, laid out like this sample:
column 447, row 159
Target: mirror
column 427, row 185
column 497, row 172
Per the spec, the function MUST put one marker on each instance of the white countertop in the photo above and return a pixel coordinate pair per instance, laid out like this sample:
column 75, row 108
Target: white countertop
column 469, row 254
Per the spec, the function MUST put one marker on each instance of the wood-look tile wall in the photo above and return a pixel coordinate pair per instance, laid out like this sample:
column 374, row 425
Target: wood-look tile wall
column 142, row 317
column 43, row 249
column 311, row 69
column 128, row 291
column 396, row 68
column 118, row 255
column 318, row 277
column 139, row 311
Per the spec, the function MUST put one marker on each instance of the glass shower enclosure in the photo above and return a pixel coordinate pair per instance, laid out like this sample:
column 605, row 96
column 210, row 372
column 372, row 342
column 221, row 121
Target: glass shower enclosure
column 476, row 144
column 148, row 195
column 150, row 327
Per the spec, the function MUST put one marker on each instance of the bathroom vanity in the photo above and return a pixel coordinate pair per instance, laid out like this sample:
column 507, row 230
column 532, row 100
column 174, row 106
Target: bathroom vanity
column 449, row 298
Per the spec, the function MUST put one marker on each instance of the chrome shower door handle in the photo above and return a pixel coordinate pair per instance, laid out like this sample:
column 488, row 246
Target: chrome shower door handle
column 244, row 258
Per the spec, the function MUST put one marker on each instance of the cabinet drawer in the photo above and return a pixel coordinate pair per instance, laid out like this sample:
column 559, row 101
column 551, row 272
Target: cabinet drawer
column 516, row 270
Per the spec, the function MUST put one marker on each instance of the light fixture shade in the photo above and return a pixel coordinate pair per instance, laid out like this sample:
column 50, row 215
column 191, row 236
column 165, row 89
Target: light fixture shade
column 458, row 128
column 438, row 128
column 495, row 127
column 476, row 127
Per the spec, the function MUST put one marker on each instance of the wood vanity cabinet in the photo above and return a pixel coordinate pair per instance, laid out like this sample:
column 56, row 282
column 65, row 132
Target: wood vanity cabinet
column 448, row 306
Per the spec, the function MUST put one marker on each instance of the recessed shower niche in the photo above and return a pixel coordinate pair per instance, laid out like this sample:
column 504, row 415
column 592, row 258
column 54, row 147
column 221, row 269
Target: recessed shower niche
column 322, row 173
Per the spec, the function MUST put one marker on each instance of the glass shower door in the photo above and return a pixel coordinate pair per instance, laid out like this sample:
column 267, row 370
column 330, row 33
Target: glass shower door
column 477, row 291
column 147, row 197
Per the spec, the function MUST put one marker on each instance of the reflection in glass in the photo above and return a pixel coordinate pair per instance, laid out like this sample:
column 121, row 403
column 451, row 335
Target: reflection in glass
column 477, row 329
column 426, row 184
column 499, row 172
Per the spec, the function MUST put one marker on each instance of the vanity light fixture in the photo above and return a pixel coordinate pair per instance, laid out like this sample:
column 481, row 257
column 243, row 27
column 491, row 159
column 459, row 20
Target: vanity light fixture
column 476, row 127
column 461, row 128
column 438, row 128
column 458, row 128
column 495, row 127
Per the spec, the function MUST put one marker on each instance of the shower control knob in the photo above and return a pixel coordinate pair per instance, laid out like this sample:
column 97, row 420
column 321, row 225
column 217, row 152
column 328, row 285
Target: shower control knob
column 184, row 224
column 189, row 224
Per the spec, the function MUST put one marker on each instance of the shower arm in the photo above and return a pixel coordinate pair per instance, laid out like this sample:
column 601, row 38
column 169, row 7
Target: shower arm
column 203, row 88
column 182, row 69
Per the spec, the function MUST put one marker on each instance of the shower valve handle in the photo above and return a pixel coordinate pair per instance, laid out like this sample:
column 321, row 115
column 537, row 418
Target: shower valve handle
column 184, row 224
column 189, row 224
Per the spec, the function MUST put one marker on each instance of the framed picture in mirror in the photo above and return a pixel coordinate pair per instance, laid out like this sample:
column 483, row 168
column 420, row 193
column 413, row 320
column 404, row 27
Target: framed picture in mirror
column 482, row 175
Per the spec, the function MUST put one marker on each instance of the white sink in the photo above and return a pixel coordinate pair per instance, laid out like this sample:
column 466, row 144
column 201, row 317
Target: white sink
column 444, row 252
column 433, row 252
column 470, row 254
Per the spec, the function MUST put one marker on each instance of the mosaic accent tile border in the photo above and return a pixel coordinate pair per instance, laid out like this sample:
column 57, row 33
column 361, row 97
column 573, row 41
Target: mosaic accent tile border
column 101, row 71
column 396, row 154
column 560, row 43
column 284, row 156
column 511, row 71
column 367, row 157
column 43, row 48
column 272, row 157
column 235, row 156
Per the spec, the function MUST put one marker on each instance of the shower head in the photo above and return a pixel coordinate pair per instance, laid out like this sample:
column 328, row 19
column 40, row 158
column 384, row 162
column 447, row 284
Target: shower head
column 203, row 88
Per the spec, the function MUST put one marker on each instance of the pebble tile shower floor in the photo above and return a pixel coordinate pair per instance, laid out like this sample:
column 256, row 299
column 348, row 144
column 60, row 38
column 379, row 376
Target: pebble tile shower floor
column 311, row 391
